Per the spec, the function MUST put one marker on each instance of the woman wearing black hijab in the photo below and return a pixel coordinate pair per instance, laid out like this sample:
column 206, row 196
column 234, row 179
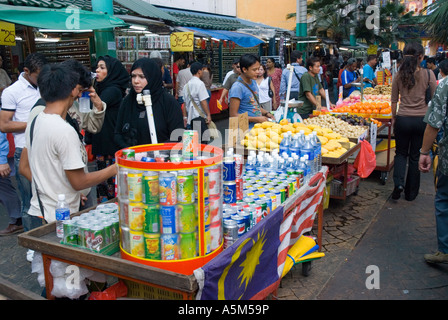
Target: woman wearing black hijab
column 132, row 125
column 111, row 83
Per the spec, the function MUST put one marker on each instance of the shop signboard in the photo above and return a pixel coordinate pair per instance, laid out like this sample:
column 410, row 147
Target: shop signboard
column 7, row 34
column 182, row 41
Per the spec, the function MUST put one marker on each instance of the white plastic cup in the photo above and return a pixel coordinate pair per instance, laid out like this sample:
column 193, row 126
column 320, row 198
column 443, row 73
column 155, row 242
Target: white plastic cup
column 84, row 102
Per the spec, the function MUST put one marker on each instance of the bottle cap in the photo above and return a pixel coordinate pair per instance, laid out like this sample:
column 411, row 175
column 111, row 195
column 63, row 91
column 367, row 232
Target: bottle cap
column 61, row 197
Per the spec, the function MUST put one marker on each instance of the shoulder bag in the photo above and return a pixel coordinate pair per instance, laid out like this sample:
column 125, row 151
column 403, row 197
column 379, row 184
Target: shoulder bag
column 211, row 125
column 428, row 89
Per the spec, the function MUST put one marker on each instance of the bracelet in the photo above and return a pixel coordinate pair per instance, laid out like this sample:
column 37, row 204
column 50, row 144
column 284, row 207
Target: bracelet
column 424, row 153
column 185, row 117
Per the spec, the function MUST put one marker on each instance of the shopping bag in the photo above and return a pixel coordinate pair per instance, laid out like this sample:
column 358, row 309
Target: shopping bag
column 365, row 162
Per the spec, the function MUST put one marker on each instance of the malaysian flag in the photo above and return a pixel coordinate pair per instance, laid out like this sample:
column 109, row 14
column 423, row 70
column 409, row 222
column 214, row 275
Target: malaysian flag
column 252, row 267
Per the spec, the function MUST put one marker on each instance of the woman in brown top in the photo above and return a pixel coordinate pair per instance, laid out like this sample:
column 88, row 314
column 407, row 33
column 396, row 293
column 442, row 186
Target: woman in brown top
column 409, row 87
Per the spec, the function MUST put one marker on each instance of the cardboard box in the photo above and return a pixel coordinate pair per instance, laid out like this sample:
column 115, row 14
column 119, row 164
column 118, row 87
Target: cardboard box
column 238, row 127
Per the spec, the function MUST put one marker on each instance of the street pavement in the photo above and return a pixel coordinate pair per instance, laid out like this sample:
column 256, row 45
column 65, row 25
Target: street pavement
column 367, row 231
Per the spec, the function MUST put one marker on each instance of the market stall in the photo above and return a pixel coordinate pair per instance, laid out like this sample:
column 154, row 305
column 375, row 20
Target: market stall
column 160, row 270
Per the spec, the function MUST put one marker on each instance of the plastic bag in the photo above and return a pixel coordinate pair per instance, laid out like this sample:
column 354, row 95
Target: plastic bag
column 365, row 162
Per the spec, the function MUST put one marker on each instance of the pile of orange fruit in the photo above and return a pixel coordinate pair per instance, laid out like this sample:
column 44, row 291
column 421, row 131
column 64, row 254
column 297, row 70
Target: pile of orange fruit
column 366, row 108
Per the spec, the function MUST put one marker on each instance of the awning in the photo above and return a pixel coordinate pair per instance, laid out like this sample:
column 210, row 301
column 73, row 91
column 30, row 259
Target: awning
column 61, row 19
column 242, row 39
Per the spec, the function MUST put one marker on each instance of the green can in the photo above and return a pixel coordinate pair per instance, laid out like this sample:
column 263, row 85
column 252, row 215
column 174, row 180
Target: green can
column 84, row 233
column 152, row 246
column 70, row 232
column 97, row 242
column 107, row 227
column 185, row 187
column 188, row 245
column 128, row 154
column 282, row 191
column 264, row 207
column 150, row 187
column 151, row 222
column 187, row 218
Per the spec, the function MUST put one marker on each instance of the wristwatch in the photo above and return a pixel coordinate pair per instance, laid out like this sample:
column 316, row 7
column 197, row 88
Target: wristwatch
column 425, row 153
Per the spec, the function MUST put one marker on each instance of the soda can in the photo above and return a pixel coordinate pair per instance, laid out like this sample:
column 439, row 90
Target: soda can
column 230, row 230
column 128, row 154
column 115, row 231
column 151, row 213
column 135, row 186
column 226, row 215
column 273, row 198
column 229, row 191
column 136, row 243
column 84, row 233
column 252, row 216
column 148, row 159
column 239, row 189
column 152, row 246
column 268, row 200
column 123, row 183
column 176, row 159
column 170, row 246
column 150, row 187
column 97, row 242
column 228, row 172
column 215, row 235
column 215, row 209
column 185, row 187
column 248, row 218
column 264, row 211
column 239, row 161
column 125, row 239
column 167, row 189
column 281, row 189
column 162, row 158
column 300, row 177
column 123, row 212
column 187, row 217
column 190, row 144
column 170, row 219
column 108, row 231
column 136, row 216
column 70, row 232
column 188, row 245
column 214, row 177
column 207, row 238
column 241, row 221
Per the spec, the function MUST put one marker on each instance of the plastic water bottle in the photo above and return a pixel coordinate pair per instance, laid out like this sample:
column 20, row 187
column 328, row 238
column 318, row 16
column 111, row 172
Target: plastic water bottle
column 316, row 156
column 62, row 213
column 295, row 146
column 285, row 144
column 309, row 169
column 303, row 167
column 250, row 166
column 281, row 168
column 319, row 152
column 308, row 150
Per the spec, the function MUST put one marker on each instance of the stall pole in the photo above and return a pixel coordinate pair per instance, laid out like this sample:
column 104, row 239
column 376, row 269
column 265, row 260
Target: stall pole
column 288, row 91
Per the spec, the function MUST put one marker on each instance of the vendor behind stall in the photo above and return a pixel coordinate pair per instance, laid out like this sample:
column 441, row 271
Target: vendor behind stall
column 132, row 124
column 244, row 93
column 310, row 87
column 349, row 77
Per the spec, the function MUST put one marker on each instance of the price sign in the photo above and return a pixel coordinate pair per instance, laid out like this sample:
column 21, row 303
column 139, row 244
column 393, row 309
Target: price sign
column 182, row 41
column 7, row 34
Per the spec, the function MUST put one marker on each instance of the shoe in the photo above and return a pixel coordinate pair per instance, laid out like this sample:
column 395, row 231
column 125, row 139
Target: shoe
column 438, row 257
column 11, row 229
column 397, row 192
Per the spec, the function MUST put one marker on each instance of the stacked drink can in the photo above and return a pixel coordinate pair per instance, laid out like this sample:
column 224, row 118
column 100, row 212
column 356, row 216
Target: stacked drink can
column 261, row 195
column 159, row 211
column 94, row 230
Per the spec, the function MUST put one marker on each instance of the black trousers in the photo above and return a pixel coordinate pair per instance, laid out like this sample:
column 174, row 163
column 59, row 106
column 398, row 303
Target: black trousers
column 408, row 138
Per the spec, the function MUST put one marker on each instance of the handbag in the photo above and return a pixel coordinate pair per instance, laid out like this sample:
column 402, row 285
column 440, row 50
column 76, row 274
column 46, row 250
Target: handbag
column 270, row 92
column 214, row 133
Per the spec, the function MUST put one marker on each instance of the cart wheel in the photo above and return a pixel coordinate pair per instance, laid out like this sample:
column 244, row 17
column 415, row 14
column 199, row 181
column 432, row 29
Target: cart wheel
column 383, row 178
column 306, row 268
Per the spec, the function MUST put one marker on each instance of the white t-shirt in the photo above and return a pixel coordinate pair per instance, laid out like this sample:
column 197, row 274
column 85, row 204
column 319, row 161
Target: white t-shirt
column 183, row 77
column 56, row 147
column 20, row 97
column 198, row 92
column 264, row 91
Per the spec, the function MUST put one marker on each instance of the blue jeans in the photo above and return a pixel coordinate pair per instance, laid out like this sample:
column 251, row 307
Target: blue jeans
column 24, row 187
column 441, row 208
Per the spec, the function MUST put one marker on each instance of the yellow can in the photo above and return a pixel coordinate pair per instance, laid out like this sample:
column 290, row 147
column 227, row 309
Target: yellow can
column 135, row 186
column 136, row 217
column 137, row 244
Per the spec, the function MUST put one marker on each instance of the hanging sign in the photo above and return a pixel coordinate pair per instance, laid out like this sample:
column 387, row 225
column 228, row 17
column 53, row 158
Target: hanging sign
column 7, row 34
column 182, row 41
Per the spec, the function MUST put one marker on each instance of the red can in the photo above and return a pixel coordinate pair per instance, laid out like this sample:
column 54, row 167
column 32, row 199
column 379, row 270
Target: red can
column 239, row 161
column 239, row 189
